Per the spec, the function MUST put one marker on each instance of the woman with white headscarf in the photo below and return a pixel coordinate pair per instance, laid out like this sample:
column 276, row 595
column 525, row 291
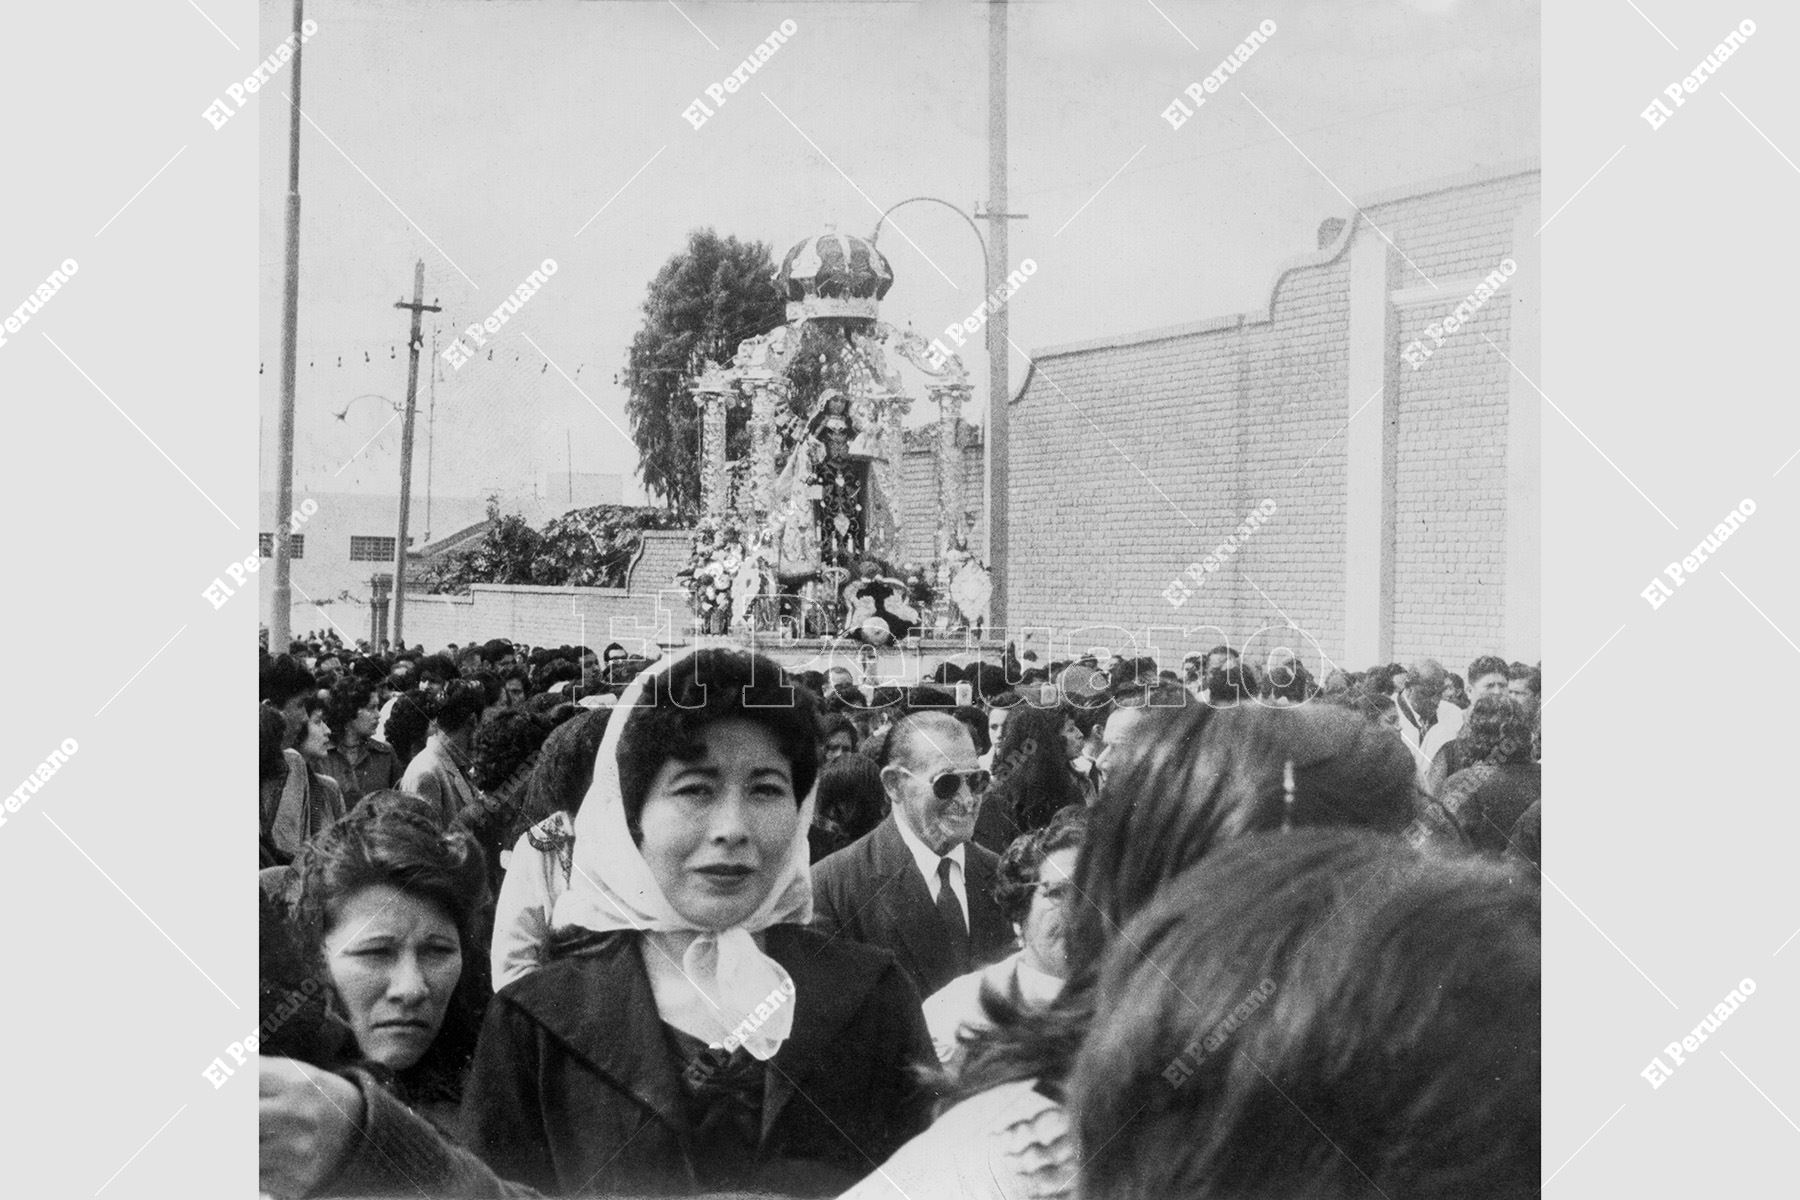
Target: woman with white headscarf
column 697, row 1036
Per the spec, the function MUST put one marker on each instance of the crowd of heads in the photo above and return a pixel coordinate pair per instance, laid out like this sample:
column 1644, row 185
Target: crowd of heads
column 1276, row 983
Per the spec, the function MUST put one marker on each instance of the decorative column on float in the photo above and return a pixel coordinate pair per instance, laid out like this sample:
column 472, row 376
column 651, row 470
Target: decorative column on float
column 949, row 398
column 713, row 392
column 764, row 397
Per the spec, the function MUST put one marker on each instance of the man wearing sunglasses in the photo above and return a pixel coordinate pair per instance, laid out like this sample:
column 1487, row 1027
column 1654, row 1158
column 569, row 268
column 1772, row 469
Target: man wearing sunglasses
column 916, row 885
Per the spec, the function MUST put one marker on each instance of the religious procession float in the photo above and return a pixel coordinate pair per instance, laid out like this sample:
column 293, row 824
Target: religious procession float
column 800, row 540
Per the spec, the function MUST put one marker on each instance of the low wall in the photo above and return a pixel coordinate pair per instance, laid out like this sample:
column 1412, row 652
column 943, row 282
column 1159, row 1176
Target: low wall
column 543, row 616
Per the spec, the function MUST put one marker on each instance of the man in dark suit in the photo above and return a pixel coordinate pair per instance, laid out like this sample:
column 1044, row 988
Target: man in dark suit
column 916, row 885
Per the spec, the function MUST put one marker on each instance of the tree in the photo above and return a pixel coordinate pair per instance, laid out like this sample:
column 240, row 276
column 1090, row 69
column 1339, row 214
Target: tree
column 704, row 301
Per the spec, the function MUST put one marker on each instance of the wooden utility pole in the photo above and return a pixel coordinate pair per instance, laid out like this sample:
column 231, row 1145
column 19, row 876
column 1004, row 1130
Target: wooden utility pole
column 419, row 309
column 430, row 428
column 281, row 592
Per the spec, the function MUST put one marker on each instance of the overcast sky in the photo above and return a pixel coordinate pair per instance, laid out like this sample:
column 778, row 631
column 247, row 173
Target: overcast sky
column 500, row 129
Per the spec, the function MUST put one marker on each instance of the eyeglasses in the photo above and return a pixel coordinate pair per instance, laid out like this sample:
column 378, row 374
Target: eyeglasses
column 948, row 783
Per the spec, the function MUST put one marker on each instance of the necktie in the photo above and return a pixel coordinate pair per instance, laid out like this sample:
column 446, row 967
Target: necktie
column 951, row 914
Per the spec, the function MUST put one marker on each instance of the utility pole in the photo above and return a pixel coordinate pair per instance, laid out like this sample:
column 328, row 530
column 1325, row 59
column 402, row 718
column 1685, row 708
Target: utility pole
column 419, row 308
column 281, row 593
column 998, row 343
column 430, row 429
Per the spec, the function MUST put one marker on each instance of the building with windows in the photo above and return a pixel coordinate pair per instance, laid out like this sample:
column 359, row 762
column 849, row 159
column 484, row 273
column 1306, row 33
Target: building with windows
column 348, row 539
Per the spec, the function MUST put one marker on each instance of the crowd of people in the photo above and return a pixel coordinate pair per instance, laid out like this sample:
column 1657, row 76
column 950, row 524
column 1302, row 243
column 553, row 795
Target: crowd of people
column 554, row 922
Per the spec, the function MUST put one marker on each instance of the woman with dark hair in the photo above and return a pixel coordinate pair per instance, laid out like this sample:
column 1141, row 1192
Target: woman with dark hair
column 543, row 853
column 1324, row 1014
column 698, row 1036
column 386, row 902
column 1034, row 775
column 358, row 762
column 506, row 746
column 1481, row 802
column 296, row 800
column 407, row 725
column 1189, row 781
column 440, row 772
column 1491, row 732
column 1033, row 884
column 851, row 802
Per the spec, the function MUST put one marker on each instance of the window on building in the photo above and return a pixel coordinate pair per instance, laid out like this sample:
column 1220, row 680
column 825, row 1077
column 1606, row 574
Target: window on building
column 265, row 545
column 371, row 549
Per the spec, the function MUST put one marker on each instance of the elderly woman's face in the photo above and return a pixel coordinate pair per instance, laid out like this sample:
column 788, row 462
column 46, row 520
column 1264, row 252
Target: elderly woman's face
column 718, row 831
column 395, row 959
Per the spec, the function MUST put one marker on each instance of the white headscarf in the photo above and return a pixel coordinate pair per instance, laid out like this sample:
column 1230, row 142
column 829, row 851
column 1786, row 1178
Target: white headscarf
column 611, row 887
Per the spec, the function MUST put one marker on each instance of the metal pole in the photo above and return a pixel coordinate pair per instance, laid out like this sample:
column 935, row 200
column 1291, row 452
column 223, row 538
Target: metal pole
column 281, row 594
column 419, row 308
column 999, row 392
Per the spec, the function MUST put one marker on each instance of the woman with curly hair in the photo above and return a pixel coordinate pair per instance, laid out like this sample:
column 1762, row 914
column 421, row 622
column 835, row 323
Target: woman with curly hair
column 1479, row 804
column 386, row 903
column 1034, row 775
column 505, row 750
column 1033, row 886
column 1481, row 734
column 358, row 761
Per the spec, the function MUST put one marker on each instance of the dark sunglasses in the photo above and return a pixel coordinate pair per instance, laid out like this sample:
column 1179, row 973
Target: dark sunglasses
column 946, row 785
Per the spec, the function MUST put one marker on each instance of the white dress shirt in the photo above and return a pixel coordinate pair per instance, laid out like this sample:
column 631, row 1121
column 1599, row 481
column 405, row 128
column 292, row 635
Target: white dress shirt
column 928, row 866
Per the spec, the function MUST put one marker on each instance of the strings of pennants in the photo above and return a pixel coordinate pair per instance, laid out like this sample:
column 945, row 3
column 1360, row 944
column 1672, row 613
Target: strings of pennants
column 334, row 360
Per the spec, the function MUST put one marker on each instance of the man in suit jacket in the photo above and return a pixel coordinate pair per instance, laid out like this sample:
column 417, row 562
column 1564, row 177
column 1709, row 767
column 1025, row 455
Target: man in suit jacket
column 917, row 885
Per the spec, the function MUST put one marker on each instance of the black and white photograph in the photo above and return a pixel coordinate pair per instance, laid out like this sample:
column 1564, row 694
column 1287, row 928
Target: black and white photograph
column 901, row 600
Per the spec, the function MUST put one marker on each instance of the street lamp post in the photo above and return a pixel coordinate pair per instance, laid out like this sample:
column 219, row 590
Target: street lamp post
column 995, row 341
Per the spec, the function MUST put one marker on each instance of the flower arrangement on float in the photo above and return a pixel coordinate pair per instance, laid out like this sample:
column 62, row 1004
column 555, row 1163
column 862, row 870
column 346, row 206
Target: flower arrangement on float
column 721, row 553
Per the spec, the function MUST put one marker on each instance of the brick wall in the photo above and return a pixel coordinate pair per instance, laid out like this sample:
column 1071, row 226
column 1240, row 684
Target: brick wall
column 919, row 498
column 1135, row 456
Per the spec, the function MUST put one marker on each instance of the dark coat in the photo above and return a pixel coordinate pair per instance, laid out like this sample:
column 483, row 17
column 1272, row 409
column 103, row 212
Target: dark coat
column 1487, row 800
column 871, row 892
column 575, row 1091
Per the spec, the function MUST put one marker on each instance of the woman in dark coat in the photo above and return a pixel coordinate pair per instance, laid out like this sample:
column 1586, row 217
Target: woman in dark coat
column 1481, row 802
column 368, row 1013
column 697, row 1036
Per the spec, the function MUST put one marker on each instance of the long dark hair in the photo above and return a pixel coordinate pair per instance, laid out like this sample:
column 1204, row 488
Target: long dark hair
column 1031, row 769
column 1318, row 1013
column 1191, row 780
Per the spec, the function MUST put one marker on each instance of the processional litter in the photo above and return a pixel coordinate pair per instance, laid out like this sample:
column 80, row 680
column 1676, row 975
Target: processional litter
column 800, row 536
